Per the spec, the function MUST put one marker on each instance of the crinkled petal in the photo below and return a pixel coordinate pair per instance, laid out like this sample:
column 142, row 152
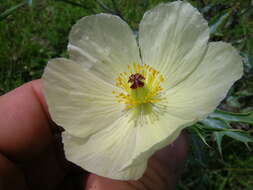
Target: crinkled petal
column 121, row 151
column 78, row 100
column 191, row 100
column 104, row 44
column 173, row 39
column 105, row 152
column 202, row 91
column 154, row 136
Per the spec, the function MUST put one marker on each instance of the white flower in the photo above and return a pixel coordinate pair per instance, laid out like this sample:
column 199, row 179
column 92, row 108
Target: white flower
column 120, row 102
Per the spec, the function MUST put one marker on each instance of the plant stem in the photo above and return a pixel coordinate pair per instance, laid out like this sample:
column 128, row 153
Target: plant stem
column 89, row 9
column 107, row 9
column 11, row 10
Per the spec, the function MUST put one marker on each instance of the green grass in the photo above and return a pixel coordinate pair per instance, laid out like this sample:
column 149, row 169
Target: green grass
column 30, row 36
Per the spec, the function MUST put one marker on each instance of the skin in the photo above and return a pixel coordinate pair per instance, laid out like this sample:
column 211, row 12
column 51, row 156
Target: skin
column 32, row 156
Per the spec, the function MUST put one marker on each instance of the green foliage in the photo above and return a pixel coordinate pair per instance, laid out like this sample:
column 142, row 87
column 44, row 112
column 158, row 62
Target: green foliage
column 208, row 170
column 31, row 35
column 11, row 10
column 236, row 117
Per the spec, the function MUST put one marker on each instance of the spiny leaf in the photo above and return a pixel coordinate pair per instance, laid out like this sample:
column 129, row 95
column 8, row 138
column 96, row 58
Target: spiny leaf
column 234, row 117
column 228, row 131
column 197, row 150
column 201, row 136
column 223, row 128
column 243, row 137
column 218, row 138
column 215, row 123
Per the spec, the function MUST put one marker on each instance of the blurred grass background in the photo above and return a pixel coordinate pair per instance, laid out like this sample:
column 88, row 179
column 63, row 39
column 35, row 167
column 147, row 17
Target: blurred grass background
column 31, row 35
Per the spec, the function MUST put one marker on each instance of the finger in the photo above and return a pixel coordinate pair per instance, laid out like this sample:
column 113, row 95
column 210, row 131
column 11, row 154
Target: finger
column 25, row 128
column 162, row 172
column 26, row 136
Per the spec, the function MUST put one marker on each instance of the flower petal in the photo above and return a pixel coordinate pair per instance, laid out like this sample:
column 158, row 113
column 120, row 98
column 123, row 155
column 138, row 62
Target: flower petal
column 204, row 89
column 105, row 152
column 191, row 100
column 173, row 40
column 121, row 151
column 154, row 136
column 103, row 43
column 78, row 100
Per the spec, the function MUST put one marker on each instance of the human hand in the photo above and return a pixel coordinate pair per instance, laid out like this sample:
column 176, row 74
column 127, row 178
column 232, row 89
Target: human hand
column 32, row 157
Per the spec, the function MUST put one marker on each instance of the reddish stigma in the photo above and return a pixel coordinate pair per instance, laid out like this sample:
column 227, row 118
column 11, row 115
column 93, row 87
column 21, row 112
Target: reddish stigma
column 136, row 80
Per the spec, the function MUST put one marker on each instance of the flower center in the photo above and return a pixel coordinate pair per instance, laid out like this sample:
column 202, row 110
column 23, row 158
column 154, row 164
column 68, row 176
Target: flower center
column 140, row 86
column 136, row 80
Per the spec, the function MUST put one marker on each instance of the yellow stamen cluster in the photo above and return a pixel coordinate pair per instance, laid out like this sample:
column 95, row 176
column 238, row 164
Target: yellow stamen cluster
column 148, row 93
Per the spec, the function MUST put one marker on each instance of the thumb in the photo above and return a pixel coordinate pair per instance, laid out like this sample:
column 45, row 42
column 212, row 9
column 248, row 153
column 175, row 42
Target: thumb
column 162, row 172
